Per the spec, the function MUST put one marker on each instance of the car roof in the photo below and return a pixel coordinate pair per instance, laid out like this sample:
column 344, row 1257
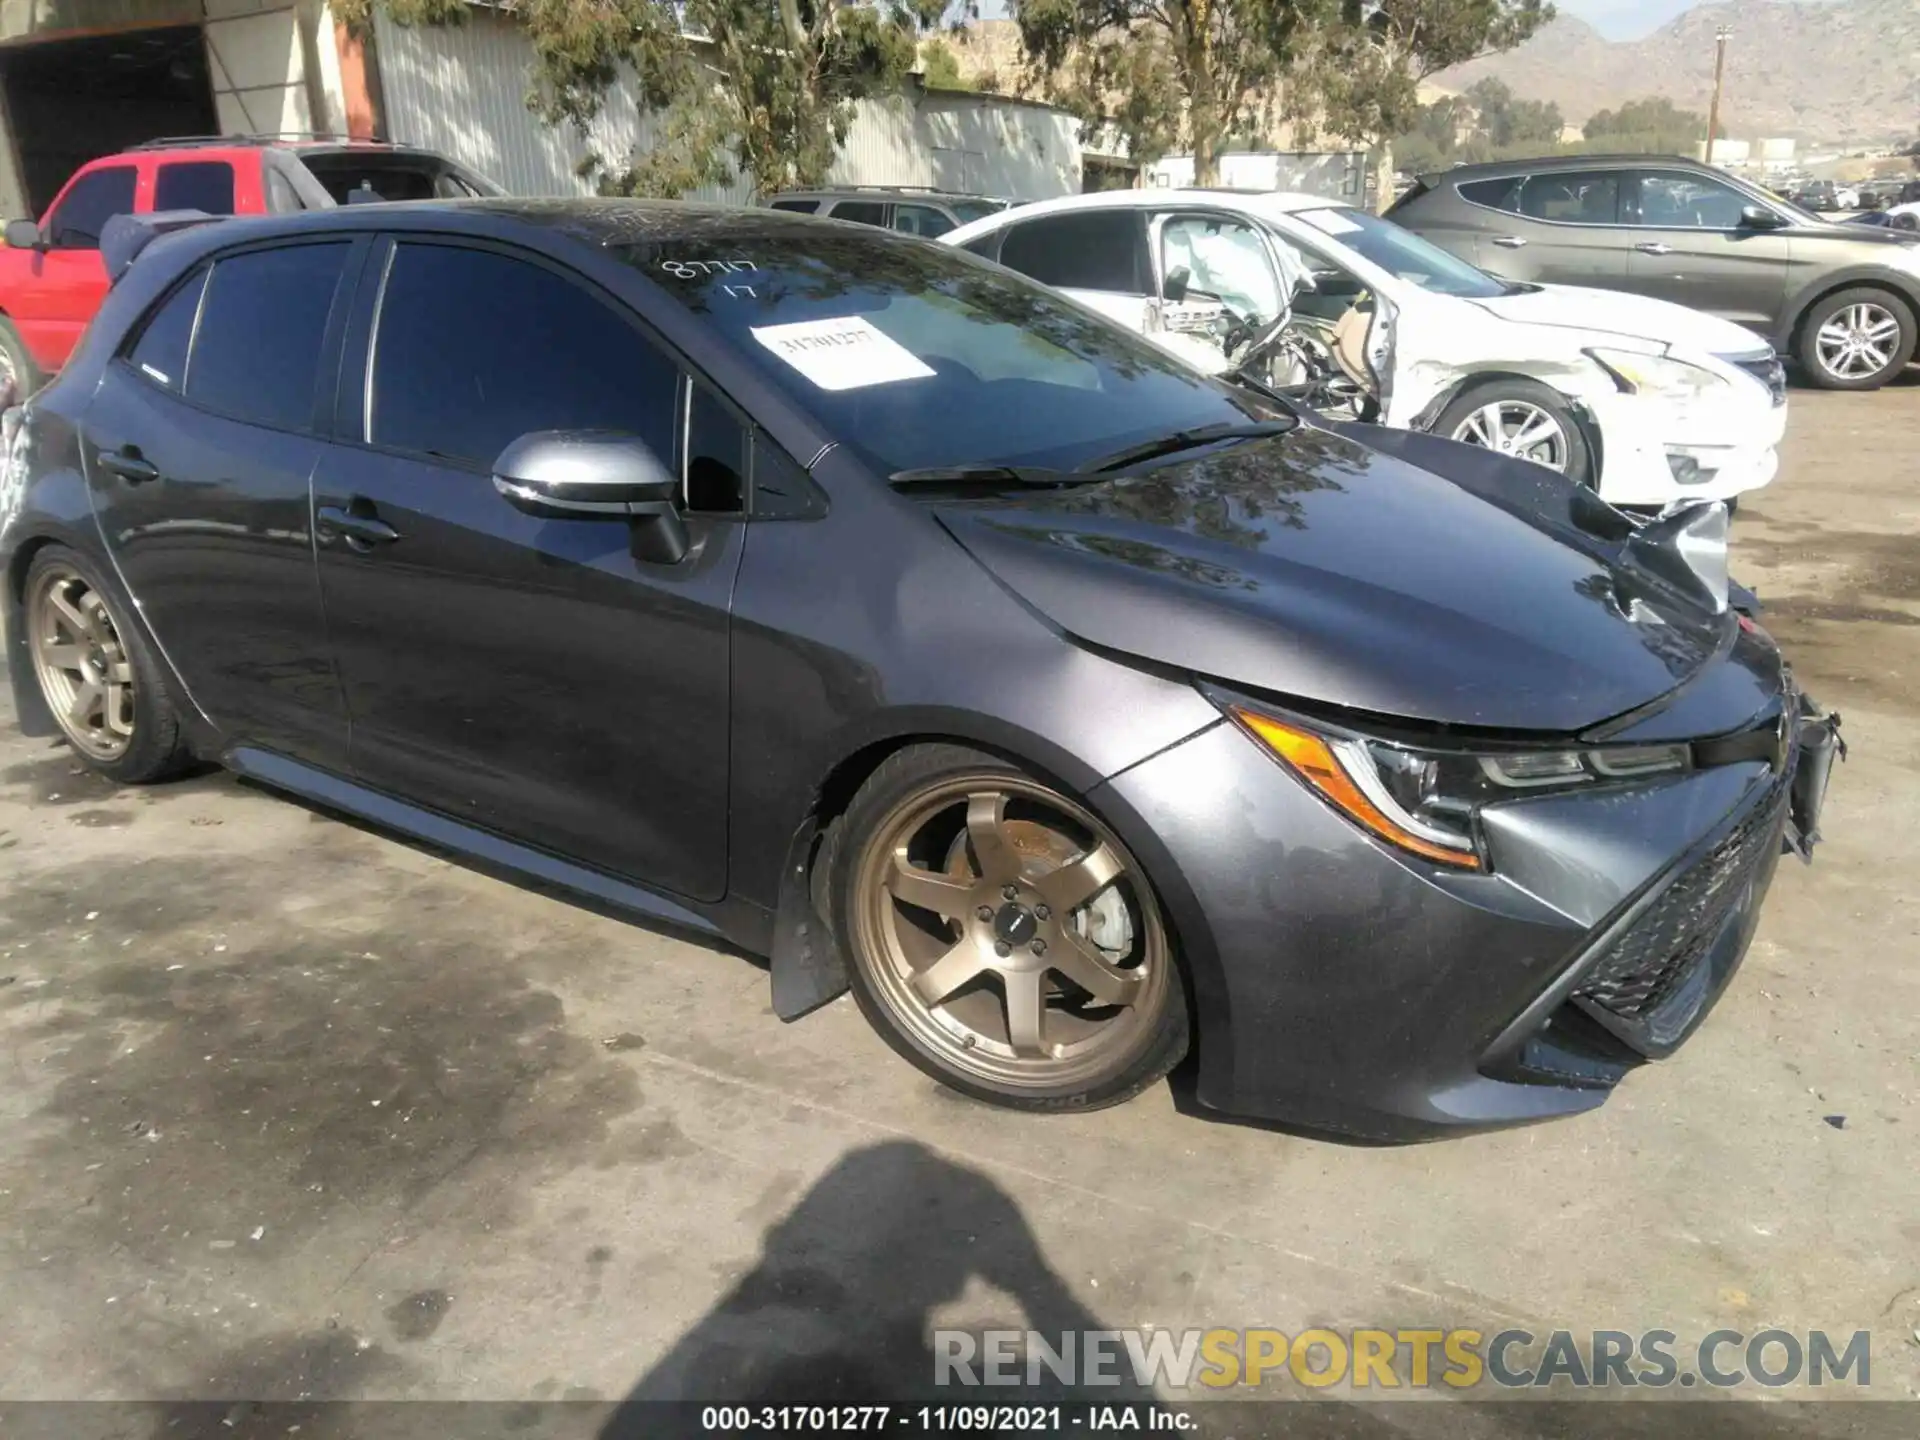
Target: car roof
column 596, row 222
column 1545, row 163
column 308, row 143
column 1259, row 203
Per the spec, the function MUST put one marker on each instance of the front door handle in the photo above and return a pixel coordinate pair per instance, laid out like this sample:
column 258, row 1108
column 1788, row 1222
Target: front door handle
column 1653, row 247
column 128, row 464
column 358, row 523
column 1509, row 242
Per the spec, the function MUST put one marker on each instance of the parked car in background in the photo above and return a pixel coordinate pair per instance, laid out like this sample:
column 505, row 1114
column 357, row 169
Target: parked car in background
column 51, row 275
column 1897, row 217
column 1845, row 197
column 876, row 609
column 1646, row 402
column 891, row 207
column 1818, row 196
column 1841, row 299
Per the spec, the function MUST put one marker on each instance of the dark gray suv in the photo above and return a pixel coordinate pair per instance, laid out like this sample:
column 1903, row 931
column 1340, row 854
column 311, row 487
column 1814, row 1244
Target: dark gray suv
column 1842, row 299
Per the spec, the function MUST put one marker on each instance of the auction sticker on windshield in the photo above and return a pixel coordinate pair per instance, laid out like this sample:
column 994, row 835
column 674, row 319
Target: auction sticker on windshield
column 842, row 354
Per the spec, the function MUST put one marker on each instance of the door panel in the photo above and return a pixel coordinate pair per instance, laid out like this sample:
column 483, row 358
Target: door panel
column 218, row 555
column 530, row 676
column 523, row 674
column 1553, row 228
column 1688, row 247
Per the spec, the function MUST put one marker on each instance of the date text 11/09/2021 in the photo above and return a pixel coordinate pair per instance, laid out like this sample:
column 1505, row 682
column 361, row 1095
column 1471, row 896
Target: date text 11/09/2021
column 931, row 1419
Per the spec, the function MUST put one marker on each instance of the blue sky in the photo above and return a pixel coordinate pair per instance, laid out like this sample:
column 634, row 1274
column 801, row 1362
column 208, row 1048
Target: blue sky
column 1616, row 19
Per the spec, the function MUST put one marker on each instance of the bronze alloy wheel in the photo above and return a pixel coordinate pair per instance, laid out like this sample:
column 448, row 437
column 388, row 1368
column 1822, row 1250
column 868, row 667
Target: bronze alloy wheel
column 85, row 672
column 1010, row 934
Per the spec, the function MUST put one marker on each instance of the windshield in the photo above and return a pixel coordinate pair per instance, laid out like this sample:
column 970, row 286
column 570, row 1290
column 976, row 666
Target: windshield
column 916, row 355
column 1403, row 254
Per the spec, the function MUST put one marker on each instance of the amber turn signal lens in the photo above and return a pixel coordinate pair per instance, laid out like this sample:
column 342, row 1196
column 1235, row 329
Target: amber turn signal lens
column 1307, row 755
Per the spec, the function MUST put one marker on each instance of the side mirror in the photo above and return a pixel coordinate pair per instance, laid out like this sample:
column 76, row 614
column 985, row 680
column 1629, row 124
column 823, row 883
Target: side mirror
column 1759, row 217
column 23, row 235
column 1178, row 279
column 596, row 475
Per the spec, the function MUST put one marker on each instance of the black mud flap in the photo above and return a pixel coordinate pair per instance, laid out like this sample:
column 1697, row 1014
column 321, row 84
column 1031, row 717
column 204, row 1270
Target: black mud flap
column 808, row 968
column 1820, row 743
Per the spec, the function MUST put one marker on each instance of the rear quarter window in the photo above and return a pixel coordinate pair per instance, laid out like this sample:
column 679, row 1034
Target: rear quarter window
column 1502, row 194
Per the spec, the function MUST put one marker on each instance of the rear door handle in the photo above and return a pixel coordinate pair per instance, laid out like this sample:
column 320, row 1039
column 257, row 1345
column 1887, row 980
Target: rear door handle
column 1509, row 242
column 358, row 523
column 128, row 464
column 1653, row 247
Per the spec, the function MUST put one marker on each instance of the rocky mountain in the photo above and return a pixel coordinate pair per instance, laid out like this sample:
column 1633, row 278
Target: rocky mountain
column 1848, row 70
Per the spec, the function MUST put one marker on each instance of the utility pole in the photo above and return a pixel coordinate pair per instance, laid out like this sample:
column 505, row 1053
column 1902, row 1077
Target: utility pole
column 1720, row 38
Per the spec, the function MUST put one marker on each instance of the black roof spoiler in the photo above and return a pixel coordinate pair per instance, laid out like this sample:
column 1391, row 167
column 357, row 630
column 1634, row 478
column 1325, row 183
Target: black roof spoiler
column 124, row 236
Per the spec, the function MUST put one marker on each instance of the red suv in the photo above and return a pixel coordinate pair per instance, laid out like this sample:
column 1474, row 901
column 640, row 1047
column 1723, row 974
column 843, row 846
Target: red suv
column 51, row 275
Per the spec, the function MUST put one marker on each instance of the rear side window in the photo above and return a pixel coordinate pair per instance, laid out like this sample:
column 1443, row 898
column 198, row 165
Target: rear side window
column 799, row 207
column 83, row 212
column 160, row 353
column 921, row 220
column 1097, row 250
column 1502, row 194
column 861, row 212
column 445, row 385
column 195, row 185
column 1567, row 197
column 263, row 324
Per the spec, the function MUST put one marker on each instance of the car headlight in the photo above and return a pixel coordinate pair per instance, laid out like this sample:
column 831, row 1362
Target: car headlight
column 1658, row 375
column 1427, row 801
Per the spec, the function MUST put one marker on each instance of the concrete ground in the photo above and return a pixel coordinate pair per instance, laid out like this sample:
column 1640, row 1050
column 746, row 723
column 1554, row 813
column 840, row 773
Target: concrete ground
column 293, row 1110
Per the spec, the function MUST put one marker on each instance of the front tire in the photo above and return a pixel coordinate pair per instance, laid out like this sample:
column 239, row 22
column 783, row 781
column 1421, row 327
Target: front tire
column 1001, row 937
column 1521, row 418
column 1856, row 339
column 99, row 678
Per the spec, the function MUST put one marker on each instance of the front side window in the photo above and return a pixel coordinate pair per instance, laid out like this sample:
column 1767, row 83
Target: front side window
column 1093, row 250
column 1401, row 253
column 160, row 352
column 917, row 355
column 1677, row 201
column 1225, row 260
column 263, row 325
column 445, row 384
column 95, row 198
column 205, row 185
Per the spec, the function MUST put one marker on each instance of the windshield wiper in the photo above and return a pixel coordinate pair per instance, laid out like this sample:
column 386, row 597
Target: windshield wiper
column 1037, row 476
column 1186, row 440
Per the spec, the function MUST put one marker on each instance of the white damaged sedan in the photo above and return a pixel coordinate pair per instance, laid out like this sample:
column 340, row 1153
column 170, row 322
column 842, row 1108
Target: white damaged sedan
column 1647, row 401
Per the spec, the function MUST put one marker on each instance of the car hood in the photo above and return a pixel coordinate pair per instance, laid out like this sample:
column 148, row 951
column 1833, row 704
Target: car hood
column 1613, row 312
column 1319, row 568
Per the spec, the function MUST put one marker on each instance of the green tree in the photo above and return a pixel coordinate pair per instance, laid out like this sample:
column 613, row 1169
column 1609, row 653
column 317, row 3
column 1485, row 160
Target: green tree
column 1167, row 75
column 1504, row 120
column 765, row 88
column 941, row 66
column 1362, row 76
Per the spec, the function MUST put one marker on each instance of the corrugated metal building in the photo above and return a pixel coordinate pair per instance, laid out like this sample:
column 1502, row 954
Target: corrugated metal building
column 460, row 90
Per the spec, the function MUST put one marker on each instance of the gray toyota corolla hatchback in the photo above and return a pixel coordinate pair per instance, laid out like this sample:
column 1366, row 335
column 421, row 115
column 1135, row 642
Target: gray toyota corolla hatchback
column 1840, row 299
column 869, row 606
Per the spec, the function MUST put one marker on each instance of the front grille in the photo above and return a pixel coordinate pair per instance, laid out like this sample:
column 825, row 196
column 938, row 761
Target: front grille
column 1767, row 369
column 1647, row 963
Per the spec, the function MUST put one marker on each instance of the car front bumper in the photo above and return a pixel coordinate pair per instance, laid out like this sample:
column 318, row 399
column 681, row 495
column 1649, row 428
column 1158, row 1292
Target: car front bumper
column 1343, row 987
column 1654, row 452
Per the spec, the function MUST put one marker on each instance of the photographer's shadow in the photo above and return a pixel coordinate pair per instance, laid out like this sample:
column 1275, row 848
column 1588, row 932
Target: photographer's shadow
column 840, row 1309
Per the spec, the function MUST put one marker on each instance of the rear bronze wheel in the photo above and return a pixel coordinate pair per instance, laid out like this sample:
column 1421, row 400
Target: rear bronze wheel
column 1003, row 938
column 99, row 679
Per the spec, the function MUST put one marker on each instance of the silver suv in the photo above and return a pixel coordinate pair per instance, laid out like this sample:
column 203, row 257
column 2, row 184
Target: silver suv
column 893, row 207
column 1841, row 299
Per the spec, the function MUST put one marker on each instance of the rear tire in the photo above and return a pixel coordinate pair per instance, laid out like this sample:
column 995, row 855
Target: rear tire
column 19, row 375
column 1856, row 339
column 101, row 681
column 1001, row 937
column 1524, row 419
